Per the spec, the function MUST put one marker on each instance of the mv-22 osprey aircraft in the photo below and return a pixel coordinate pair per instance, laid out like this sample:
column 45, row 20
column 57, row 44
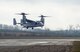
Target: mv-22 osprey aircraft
column 27, row 23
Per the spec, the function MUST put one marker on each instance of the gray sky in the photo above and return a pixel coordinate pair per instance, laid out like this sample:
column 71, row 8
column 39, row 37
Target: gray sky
column 62, row 12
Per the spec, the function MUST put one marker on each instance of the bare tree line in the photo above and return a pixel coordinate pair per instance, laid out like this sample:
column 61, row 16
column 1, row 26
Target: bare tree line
column 6, row 30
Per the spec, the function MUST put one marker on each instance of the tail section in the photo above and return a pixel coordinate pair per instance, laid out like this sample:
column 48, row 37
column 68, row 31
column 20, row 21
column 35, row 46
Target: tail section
column 14, row 21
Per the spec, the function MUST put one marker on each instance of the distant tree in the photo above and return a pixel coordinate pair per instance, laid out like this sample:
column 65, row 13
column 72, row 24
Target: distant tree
column 77, row 27
column 70, row 27
column 16, row 27
column 0, row 26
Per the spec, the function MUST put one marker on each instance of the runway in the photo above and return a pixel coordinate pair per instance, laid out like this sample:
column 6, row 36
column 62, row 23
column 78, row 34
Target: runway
column 24, row 42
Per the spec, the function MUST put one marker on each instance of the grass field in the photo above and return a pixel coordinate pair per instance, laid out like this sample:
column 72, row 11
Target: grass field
column 39, row 45
column 37, row 48
column 43, row 48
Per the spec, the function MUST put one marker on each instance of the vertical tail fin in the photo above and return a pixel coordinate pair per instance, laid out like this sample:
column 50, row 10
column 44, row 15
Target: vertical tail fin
column 14, row 21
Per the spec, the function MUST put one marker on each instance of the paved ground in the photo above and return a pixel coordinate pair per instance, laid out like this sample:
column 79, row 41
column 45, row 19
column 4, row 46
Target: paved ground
column 23, row 42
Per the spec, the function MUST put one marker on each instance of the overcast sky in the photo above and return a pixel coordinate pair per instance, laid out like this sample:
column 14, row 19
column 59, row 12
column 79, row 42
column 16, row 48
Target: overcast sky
column 63, row 12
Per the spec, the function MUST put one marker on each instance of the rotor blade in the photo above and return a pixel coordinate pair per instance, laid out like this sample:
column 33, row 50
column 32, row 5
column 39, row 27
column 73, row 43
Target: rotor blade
column 44, row 16
column 22, row 14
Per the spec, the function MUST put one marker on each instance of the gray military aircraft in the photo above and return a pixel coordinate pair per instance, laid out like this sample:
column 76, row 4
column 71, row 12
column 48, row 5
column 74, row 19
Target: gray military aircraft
column 27, row 23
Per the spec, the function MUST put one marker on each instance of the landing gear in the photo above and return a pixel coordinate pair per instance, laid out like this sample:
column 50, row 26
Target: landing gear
column 27, row 27
column 32, row 28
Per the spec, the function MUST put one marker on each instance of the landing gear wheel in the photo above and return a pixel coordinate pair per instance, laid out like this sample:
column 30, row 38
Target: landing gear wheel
column 32, row 28
column 27, row 27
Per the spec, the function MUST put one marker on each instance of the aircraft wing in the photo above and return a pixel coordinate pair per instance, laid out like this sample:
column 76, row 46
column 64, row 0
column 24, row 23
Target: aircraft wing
column 30, row 21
